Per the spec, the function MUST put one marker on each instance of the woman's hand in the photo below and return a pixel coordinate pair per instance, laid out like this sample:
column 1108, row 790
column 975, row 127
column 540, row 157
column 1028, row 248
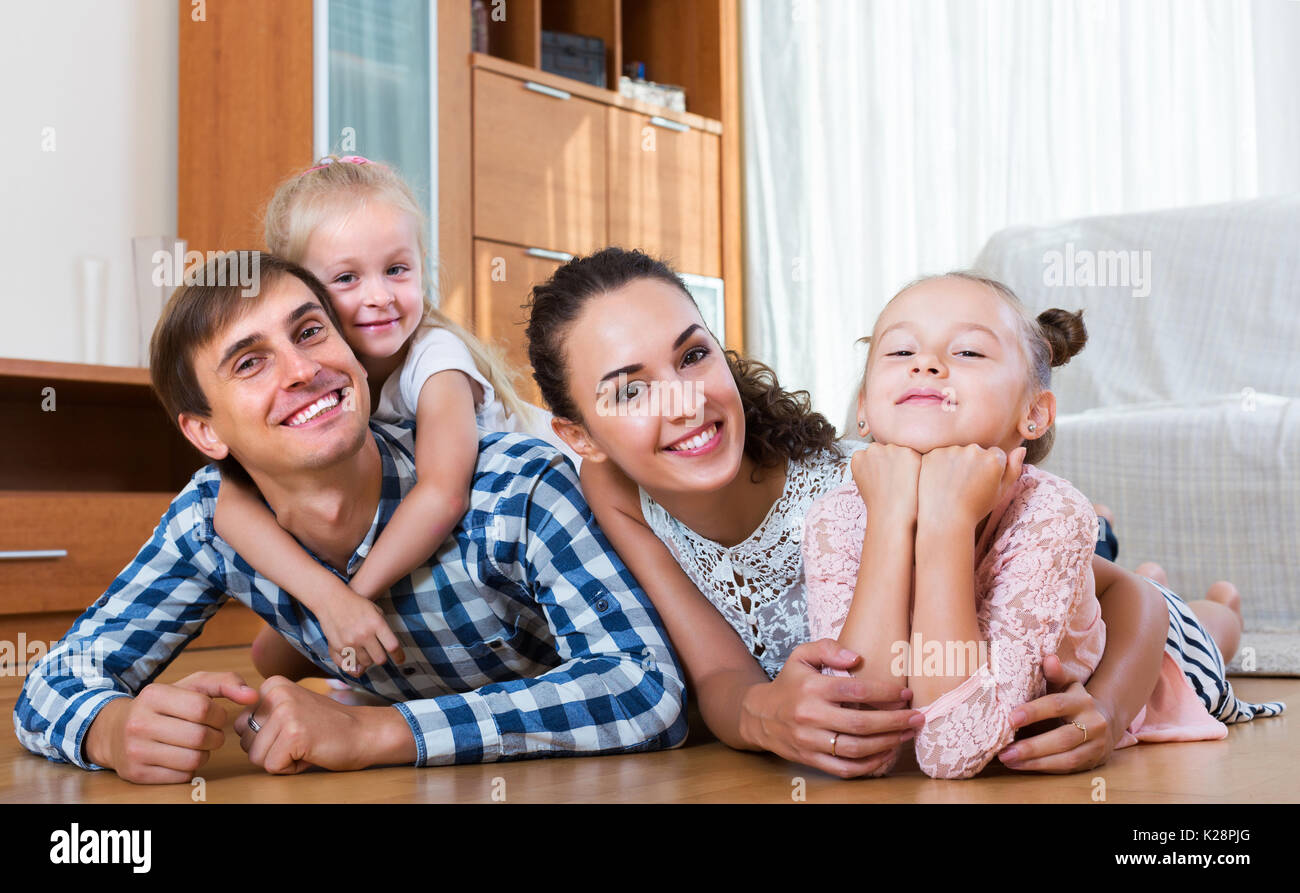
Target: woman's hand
column 800, row 713
column 887, row 477
column 962, row 484
column 357, row 632
column 1062, row 749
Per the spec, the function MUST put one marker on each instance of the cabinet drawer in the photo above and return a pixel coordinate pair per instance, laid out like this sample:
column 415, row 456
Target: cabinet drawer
column 539, row 166
column 504, row 276
column 664, row 193
column 100, row 532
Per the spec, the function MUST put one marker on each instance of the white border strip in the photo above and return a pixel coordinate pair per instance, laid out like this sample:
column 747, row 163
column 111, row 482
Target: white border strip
column 433, row 134
column 320, row 78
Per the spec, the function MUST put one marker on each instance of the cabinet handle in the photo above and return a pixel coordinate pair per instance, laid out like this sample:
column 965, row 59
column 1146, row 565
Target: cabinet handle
column 547, row 91
column 670, row 125
column 33, row 553
column 549, row 255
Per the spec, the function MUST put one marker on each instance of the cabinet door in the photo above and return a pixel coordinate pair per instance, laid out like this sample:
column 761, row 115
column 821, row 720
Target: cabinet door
column 663, row 191
column 504, row 276
column 539, row 166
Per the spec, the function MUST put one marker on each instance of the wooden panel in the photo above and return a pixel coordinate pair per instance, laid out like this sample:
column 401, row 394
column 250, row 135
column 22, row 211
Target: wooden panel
column 539, row 167
column 245, row 87
column 733, row 181
column 455, row 171
column 101, row 532
column 590, row 18
column 515, row 31
column 664, row 192
column 232, row 625
column 504, row 276
column 678, row 41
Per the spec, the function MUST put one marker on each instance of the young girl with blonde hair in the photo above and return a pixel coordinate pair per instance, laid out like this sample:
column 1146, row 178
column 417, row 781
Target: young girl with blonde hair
column 955, row 566
column 356, row 226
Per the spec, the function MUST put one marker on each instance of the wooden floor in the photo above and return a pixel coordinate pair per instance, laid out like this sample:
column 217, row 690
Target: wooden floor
column 1255, row 763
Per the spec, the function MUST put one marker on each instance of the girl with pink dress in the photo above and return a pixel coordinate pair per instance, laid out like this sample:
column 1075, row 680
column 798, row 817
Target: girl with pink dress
column 955, row 566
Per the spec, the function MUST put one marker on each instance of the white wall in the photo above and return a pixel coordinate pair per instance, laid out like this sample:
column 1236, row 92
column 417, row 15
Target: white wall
column 103, row 75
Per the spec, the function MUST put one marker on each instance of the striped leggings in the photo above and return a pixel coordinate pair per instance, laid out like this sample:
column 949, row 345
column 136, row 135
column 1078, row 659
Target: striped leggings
column 1193, row 647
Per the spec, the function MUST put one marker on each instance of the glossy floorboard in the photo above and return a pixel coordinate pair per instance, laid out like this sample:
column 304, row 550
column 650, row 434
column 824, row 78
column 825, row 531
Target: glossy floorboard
column 1255, row 763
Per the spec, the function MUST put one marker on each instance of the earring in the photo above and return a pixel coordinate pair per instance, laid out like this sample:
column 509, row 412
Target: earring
column 1032, row 427
column 861, row 424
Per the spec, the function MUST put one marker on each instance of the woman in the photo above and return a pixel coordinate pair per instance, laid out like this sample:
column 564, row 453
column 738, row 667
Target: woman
column 699, row 469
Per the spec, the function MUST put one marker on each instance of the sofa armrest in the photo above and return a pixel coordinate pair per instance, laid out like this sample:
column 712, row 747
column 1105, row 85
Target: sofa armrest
column 1209, row 489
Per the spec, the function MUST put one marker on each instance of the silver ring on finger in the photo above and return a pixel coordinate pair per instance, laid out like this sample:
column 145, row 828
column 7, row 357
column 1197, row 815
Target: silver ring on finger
column 834, row 738
column 253, row 725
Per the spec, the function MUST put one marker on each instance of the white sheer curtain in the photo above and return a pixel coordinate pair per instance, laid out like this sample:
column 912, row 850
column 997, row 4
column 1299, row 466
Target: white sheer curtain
column 885, row 140
column 380, row 55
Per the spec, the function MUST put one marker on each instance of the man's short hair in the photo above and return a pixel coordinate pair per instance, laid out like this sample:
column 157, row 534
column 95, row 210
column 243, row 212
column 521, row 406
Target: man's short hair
column 196, row 314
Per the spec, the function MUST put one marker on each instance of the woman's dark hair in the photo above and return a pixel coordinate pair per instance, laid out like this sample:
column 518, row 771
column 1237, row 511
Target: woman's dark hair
column 779, row 425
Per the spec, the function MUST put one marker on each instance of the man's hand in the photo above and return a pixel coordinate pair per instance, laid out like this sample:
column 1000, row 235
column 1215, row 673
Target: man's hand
column 1061, row 749
column 167, row 732
column 299, row 729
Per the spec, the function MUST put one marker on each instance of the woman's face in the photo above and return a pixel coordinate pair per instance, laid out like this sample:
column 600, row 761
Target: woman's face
column 369, row 260
column 654, row 389
column 947, row 368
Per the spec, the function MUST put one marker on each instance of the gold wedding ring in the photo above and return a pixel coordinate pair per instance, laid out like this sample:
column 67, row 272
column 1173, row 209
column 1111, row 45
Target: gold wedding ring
column 1082, row 728
column 834, row 738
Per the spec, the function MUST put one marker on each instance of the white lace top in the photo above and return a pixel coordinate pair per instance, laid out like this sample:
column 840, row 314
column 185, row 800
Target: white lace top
column 758, row 584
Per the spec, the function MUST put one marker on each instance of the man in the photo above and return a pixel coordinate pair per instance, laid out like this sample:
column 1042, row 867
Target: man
column 526, row 633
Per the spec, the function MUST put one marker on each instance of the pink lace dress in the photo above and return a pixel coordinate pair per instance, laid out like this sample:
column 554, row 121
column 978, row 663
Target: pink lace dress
column 1035, row 595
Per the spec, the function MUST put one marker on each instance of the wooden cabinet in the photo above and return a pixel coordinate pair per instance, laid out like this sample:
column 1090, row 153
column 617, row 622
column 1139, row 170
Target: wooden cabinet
column 539, row 165
column 538, row 171
column 88, row 464
column 99, row 534
column 663, row 190
column 504, row 276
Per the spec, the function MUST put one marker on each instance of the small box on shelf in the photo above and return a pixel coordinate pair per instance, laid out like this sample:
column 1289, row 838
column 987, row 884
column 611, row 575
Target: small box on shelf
column 574, row 56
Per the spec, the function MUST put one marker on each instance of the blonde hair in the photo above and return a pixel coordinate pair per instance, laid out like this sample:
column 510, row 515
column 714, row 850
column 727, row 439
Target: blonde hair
column 304, row 201
column 1049, row 340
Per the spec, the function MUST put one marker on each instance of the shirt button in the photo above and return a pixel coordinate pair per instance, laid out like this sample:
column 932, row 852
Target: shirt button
column 602, row 605
column 408, row 671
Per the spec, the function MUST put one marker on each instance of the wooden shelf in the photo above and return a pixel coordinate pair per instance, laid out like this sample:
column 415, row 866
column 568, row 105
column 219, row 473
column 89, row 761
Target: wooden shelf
column 107, row 430
column 44, row 370
column 677, row 40
column 587, row 91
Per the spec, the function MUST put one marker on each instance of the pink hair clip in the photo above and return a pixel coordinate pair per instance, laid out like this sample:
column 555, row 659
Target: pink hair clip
column 350, row 159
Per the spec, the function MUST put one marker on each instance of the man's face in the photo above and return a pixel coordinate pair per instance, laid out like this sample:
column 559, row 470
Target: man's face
column 286, row 392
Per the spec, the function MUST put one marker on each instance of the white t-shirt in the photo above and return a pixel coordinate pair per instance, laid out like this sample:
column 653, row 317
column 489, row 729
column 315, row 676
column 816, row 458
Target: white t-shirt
column 433, row 350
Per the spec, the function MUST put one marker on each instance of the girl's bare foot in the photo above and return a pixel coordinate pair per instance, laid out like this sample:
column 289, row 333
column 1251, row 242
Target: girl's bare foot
column 1220, row 613
column 1152, row 571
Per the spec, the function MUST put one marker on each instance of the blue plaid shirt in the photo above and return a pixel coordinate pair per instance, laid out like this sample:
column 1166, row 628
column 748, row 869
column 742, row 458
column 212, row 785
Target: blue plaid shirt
column 525, row 635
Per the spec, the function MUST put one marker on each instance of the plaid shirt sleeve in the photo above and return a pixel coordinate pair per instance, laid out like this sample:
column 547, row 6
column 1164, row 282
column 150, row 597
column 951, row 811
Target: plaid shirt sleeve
column 127, row 637
column 618, row 688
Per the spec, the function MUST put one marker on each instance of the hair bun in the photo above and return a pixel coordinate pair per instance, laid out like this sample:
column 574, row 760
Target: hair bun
column 1065, row 333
